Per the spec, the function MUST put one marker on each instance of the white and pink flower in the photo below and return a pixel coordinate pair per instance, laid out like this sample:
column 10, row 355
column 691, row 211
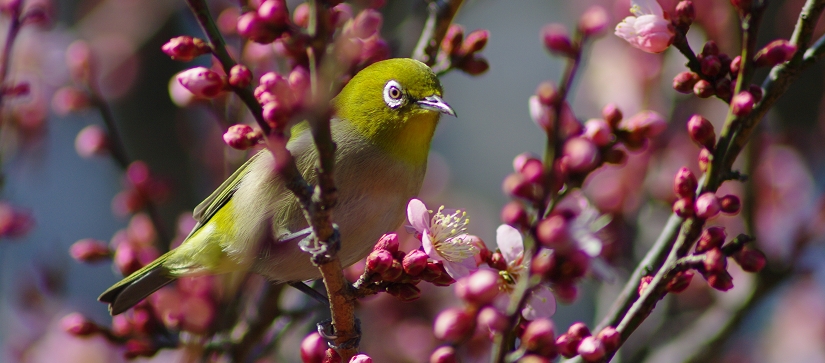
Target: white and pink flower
column 648, row 29
column 444, row 237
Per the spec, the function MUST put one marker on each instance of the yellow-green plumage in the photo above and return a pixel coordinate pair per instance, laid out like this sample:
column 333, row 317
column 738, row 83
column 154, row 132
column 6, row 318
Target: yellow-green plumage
column 383, row 142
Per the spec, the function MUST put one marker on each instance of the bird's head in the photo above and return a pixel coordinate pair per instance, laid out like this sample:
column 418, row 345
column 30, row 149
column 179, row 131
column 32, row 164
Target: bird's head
column 394, row 104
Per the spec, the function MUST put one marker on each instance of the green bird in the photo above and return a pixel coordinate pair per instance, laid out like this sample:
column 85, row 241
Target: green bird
column 385, row 119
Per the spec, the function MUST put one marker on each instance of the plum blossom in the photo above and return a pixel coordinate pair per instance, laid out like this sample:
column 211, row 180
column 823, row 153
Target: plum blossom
column 648, row 29
column 542, row 302
column 444, row 237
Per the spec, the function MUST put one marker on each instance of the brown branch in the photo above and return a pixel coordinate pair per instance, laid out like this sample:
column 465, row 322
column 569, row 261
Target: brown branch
column 435, row 28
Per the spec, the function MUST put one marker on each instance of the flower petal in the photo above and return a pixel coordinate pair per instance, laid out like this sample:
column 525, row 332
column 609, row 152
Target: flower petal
column 509, row 242
column 541, row 304
column 427, row 245
column 647, row 7
column 461, row 269
column 418, row 215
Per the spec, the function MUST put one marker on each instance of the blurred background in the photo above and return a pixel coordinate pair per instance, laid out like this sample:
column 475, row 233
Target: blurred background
column 52, row 196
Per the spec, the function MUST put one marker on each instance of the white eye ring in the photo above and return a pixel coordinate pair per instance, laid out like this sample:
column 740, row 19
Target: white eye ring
column 393, row 94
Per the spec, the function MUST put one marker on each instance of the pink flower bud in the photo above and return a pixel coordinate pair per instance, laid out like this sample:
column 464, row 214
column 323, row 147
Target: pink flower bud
column 276, row 113
column 684, row 185
column 480, row 288
column 723, row 89
column 593, row 21
column 742, row 104
column 707, row 206
column 730, row 204
column 274, row 12
column 69, row 99
column 710, row 48
column 476, row 41
column 703, row 89
column 566, row 292
column 394, row 272
column 598, row 131
column 735, row 65
column 648, row 31
column 557, row 40
column 432, row 272
column 498, row 262
column 683, row 207
column 701, row 131
column 712, row 237
column 474, row 66
column 240, row 76
column 387, row 242
column 202, row 82
column 644, row 283
column 313, row 348
column 646, row 123
column 241, row 137
column 553, row 233
column 513, row 213
column 300, row 16
column 704, row 159
column 776, row 52
column 367, row 23
column 568, row 345
column 452, row 325
column 78, row 325
column 750, row 259
column 684, row 82
column 711, row 65
column 90, row 250
column 185, row 48
column 404, row 292
column 533, row 170
column 539, row 337
column 580, row 155
column 453, row 39
column 612, row 115
column 331, row 356
column 543, row 262
column 720, row 281
column 680, row 282
column 361, row 358
column 91, row 141
column 492, row 320
column 547, row 93
column 252, row 27
column 579, row 330
column 715, row 261
column 591, row 349
column 379, row 261
column 685, row 13
column 444, row 354
column 139, row 348
column 610, row 337
column 756, row 92
column 415, row 262
column 517, row 186
column 521, row 160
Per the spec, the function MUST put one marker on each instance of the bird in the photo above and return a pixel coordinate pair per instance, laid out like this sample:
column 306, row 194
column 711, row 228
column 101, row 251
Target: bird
column 383, row 124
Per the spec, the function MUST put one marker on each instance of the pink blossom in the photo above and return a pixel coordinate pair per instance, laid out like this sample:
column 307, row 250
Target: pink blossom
column 648, row 30
column 444, row 237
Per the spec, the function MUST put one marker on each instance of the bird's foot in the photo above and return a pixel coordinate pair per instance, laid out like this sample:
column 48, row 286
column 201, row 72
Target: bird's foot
column 327, row 331
column 322, row 251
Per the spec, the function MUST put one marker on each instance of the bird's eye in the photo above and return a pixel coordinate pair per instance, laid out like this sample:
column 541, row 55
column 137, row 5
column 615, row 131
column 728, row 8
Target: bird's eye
column 393, row 95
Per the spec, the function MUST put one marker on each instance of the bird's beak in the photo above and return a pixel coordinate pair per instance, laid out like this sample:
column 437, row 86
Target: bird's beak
column 436, row 103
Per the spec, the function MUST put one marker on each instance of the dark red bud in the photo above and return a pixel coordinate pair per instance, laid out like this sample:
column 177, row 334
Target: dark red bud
column 703, row 89
column 387, row 242
column 701, row 131
column 722, row 281
column 685, row 183
column 685, row 13
column 712, row 237
column 730, row 204
column 750, row 259
column 684, row 82
column 715, row 261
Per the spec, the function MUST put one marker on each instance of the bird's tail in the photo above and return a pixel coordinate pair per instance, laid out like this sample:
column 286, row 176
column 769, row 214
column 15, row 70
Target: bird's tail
column 137, row 286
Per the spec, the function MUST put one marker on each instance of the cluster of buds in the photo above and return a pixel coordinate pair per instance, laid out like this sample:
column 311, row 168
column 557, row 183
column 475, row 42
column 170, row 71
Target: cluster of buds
column 479, row 315
column 141, row 188
column 585, row 147
column 398, row 272
column 705, row 206
column 557, row 40
column 717, row 74
column 538, row 341
column 463, row 53
column 14, row 222
column 360, row 43
column 190, row 305
column 314, row 350
column 281, row 96
column 711, row 245
column 268, row 22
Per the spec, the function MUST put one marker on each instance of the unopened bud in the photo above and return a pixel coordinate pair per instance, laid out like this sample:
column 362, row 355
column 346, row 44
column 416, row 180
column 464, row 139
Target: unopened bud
column 254, row 28
column 612, row 115
column 478, row 289
column 240, row 76
column 593, row 21
column 453, row 325
column 776, row 52
column 566, row 292
column 591, row 349
column 556, row 40
column 414, row 262
column 476, row 41
column 735, row 65
column 730, row 204
column 498, row 262
column 683, row 207
column 711, row 65
column 722, row 281
column 703, row 89
column 517, row 186
column 513, row 214
column 90, row 250
column 701, row 131
column 394, row 272
column 712, row 237
column 361, row 358
column 313, row 348
column 91, row 141
column 552, row 233
column 680, row 282
column 453, row 39
column 274, row 12
column 742, row 104
column 685, row 183
column 598, row 131
column 444, row 354
column 715, row 261
column 78, row 325
column 684, row 82
column 723, row 89
column 202, row 82
column 685, row 13
column 539, row 337
column 580, row 155
column 568, row 345
column 579, row 329
column 331, row 356
column 241, row 137
column 379, row 261
column 707, row 206
column 610, row 337
column 185, row 48
column 750, row 259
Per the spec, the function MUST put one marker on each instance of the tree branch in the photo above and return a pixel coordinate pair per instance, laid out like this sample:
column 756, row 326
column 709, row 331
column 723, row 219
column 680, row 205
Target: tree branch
column 441, row 14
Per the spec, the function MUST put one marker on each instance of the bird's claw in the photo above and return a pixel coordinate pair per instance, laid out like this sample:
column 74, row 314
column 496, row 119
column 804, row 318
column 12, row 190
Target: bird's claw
column 327, row 330
column 322, row 251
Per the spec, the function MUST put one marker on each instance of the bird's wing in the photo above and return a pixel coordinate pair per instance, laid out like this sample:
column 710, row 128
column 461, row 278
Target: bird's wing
column 206, row 209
